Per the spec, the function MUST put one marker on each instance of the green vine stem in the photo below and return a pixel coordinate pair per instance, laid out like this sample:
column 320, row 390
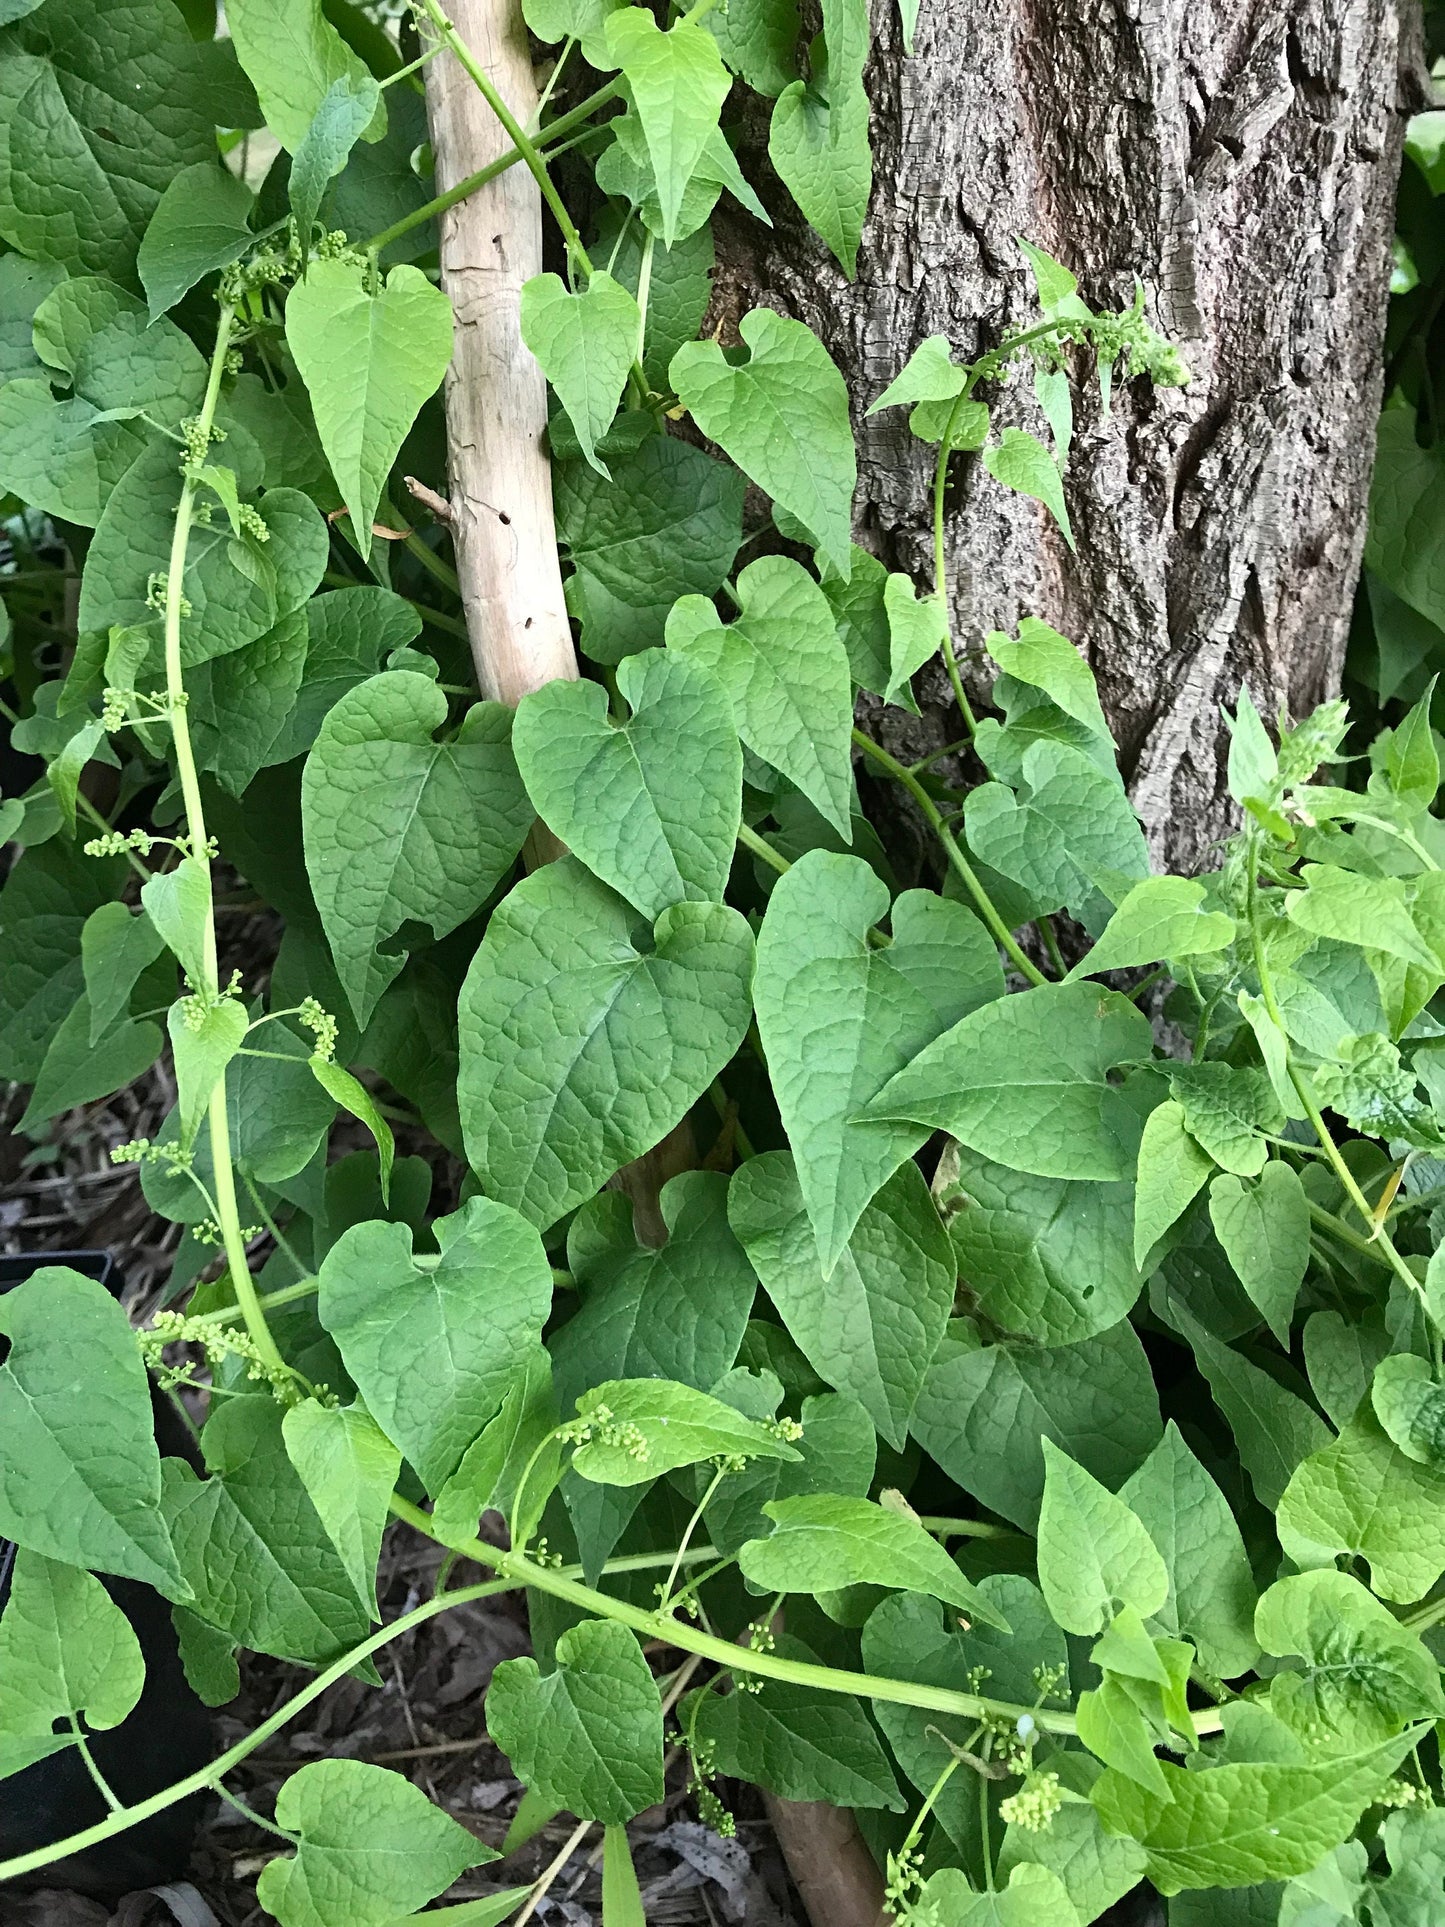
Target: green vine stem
column 218, row 1121
column 965, row 870
column 1380, row 1239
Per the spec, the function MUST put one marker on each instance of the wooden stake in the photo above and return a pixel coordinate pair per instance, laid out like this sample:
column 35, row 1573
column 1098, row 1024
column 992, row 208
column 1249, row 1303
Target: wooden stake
column 500, row 493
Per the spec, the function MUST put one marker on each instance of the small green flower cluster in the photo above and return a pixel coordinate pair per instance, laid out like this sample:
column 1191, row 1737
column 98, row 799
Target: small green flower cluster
column 322, row 1025
column 217, row 1342
column 1034, row 1805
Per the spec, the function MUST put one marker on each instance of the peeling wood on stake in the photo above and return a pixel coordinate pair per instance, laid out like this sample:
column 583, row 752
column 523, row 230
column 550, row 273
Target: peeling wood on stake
column 496, row 396
column 500, row 495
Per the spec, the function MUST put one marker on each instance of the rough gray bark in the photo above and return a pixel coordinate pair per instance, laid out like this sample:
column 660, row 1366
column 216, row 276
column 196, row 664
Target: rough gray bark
column 1242, row 160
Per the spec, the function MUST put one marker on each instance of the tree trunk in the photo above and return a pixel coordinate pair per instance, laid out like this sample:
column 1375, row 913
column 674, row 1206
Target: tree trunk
column 1242, row 161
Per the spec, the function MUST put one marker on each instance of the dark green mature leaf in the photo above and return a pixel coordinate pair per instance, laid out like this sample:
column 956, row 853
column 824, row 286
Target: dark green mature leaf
column 587, row 1737
column 116, row 945
column 1407, row 504
column 369, row 361
column 433, row 1345
column 870, row 1328
column 1045, row 1257
column 839, row 1017
column 253, row 1546
column 823, row 1543
column 237, row 589
column 76, row 1070
column 23, row 286
column 984, row 1411
column 1096, row 1868
column 401, row 828
column 1365, row 1675
column 799, row 1743
column 1409, row 1402
column 1027, row 1083
column 48, row 896
column 837, row 1453
column 349, row 634
column 758, row 39
column 1238, row 1824
column 371, row 1846
column 786, row 675
column 342, row 116
column 99, row 108
column 585, row 1037
column 292, row 55
column 650, row 805
column 783, row 417
column 241, row 704
column 65, row 1648
column 80, row 1477
column 677, row 1311
column 1273, row 1428
column 667, row 525
column 100, row 337
column 1211, row 1589
column 201, row 223
column 505, row 1463
column 1360, row 1494
column 909, row 1637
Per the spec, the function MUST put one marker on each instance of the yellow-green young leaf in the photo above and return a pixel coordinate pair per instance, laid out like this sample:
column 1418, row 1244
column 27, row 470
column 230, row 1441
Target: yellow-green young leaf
column 353, row 1096
column 1021, row 462
column 818, row 140
column 1354, row 908
column 201, row 223
column 642, row 1427
column 116, row 945
column 621, row 1895
column 1044, row 659
column 786, row 674
column 1172, row 1172
column 349, row 1468
column 1162, row 917
column 929, row 374
column 65, row 1648
column 586, row 1034
column 1116, row 1732
column 678, row 85
column 1026, row 1082
column 63, row 771
column 1211, row 1588
column 204, row 1039
column 371, row 1846
column 1233, row 1826
column 1034, row 1896
column 369, row 361
column 1361, row 1495
column 585, row 343
column 583, row 20
column 650, row 805
column 872, row 1326
column 292, row 55
column 587, row 1736
column 783, row 418
column 1096, row 1867
column 917, row 630
column 1095, row 1554
column 1409, row 1402
column 178, row 903
column 823, row 1543
column 507, row 1447
column 1365, row 1675
column 1226, row 1107
column 1264, row 1228
column 80, row 1476
column 399, row 827
column 433, row 1342
column 75, row 1071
